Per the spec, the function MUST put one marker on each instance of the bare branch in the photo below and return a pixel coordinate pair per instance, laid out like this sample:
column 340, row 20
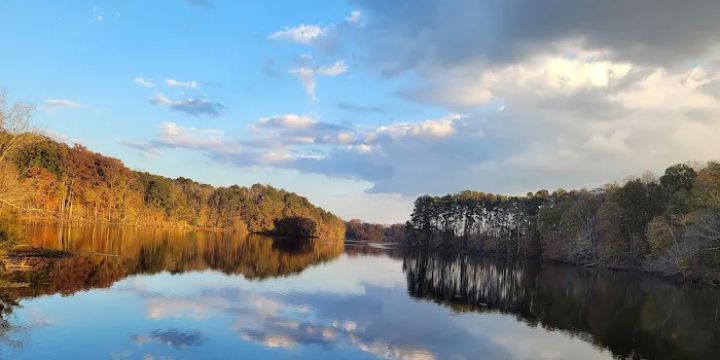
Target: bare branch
column 15, row 134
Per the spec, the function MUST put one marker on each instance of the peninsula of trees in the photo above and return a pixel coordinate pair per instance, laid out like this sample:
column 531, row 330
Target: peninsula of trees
column 58, row 182
column 42, row 179
column 669, row 224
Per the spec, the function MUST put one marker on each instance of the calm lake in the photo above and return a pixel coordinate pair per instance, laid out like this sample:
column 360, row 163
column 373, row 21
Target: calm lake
column 159, row 294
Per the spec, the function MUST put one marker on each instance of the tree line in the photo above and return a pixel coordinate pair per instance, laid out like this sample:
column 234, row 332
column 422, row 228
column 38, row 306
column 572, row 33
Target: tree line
column 356, row 229
column 44, row 179
column 669, row 224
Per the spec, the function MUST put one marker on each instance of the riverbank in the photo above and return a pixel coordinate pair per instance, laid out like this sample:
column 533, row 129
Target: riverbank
column 292, row 231
column 25, row 251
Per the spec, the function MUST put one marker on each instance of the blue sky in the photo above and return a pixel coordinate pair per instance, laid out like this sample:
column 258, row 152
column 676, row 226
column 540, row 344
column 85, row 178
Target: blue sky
column 363, row 105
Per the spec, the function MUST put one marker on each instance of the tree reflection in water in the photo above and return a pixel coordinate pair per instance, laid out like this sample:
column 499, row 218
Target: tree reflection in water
column 633, row 315
column 109, row 254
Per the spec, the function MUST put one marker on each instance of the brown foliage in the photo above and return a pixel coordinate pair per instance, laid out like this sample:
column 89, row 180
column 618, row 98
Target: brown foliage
column 75, row 184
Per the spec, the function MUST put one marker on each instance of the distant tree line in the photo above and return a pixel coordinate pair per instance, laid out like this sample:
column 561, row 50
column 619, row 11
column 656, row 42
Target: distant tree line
column 669, row 224
column 358, row 230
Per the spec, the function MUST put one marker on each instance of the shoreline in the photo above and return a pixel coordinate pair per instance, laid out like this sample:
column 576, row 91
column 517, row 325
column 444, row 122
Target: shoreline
column 184, row 227
column 674, row 278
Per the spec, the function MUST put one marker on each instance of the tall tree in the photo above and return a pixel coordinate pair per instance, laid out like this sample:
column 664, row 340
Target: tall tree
column 15, row 134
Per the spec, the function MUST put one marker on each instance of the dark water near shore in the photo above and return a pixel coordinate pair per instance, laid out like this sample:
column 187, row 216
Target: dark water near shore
column 158, row 294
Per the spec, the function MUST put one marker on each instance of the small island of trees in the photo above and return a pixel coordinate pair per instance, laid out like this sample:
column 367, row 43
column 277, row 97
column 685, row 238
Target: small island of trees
column 356, row 229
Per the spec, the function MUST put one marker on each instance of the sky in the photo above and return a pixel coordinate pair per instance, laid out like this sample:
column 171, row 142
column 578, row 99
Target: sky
column 361, row 106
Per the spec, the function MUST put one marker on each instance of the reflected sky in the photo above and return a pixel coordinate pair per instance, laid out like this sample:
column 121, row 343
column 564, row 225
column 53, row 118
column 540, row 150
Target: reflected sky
column 354, row 307
column 193, row 295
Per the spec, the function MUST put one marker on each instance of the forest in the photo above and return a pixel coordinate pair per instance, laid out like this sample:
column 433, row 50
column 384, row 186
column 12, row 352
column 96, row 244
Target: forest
column 668, row 224
column 42, row 179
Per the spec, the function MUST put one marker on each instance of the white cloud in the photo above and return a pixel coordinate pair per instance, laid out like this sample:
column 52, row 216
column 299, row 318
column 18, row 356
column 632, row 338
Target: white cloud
column 293, row 131
column 477, row 82
column 307, row 73
column 58, row 136
column 302, row 34
column 174, row 135
column 306, row 76
column 64, row 103
column 615, row 142
column 300, row 142
column 144, row 82
column 345, row 137
column 645, row 118
column 432, row 128
column 287, row 120
column 361, row 148
column 335, row 69
column 312, row 34
column 354, row 17
column 215, row 143
column 190, row 106
column 662, row 90
column 182, row 84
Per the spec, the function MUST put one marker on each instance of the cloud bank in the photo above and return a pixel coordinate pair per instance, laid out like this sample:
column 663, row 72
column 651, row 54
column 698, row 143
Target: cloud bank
column 568, row 94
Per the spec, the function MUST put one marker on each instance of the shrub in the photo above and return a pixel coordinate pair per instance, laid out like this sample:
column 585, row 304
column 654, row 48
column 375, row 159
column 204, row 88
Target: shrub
column 296, row 226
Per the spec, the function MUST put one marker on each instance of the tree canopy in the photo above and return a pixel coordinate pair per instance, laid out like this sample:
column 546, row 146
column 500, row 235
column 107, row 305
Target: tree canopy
column 670, row 224
column 75, row 184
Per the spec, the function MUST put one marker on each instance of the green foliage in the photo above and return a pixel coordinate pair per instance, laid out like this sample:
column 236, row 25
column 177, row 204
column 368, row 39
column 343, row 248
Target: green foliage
column 639, row 202
column 678, row 177
column 296, row 227
column 157, row 191
column 47, row 154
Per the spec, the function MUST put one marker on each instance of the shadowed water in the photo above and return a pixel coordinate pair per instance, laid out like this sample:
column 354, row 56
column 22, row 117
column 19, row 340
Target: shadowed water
column 134, row 293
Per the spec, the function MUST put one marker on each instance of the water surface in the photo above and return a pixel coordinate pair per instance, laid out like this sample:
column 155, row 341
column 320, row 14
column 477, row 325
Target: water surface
column 157, row 294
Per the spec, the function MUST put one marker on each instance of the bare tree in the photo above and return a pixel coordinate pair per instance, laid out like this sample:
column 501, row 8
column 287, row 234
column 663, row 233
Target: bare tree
column 15, row 134
column 15, row 127
column 704, row 232
column 699, row 242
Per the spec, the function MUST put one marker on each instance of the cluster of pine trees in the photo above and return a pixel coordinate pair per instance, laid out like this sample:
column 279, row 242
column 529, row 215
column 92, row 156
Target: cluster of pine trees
column 51, row 180
column 669, row 224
